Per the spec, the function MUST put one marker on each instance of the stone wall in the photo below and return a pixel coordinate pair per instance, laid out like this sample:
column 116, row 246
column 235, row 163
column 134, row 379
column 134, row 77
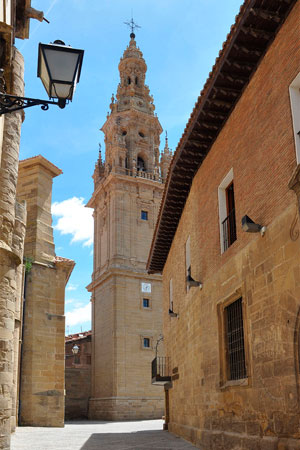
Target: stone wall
column 260, row 411
column 78, row 391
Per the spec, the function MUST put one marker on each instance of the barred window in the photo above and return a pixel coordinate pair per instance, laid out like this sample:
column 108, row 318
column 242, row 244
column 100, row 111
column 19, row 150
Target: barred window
column 234, row 330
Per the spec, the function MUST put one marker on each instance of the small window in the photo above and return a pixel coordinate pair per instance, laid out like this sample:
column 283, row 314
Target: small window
column 88, row 359
column 76, row 359
column 136, row 80
column 124, row 133
column 146, row 303
column 141, row 134
column 171, row 294
column 129, row 80
column 227, row 218
column 229, row 223
column 234, row 336
column 146, row 342
column 144, row 215
column 188, row 260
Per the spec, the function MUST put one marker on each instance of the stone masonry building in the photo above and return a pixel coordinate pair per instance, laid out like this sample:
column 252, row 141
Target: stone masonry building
column 126, row 301
column 42, row 377
column 233, row 284
column 14, row 23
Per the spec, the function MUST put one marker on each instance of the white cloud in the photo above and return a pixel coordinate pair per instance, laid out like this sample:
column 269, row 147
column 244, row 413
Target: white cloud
column 79, row 315
column 74, row 219
column 72, row 287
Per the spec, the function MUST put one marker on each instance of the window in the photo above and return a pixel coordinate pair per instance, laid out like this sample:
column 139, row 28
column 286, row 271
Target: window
column 295, row 107
column 171, row 294
column 229, row 224
column 146, row 303
column 88, row 359
column 146, row 343
column 76, row 359
column 136, row 80
column 227, row 212
column 144, row 215
column 188, row 260
column 234, row 337
column 129, row 80
column 141, row 134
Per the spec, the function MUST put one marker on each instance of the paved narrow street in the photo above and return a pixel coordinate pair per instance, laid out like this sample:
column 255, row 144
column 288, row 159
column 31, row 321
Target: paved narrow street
column 142, row 435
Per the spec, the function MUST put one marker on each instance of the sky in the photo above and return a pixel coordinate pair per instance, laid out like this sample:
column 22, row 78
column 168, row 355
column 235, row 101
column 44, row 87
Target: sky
column 180, row 41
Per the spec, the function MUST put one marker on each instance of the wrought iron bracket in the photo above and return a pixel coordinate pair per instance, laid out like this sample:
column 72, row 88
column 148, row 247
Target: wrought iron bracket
column 10, row 103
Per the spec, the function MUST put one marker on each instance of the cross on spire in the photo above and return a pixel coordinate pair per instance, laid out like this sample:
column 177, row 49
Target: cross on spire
column 132, row 25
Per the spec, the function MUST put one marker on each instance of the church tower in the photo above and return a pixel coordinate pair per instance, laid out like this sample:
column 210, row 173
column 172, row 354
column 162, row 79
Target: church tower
column 126, row 301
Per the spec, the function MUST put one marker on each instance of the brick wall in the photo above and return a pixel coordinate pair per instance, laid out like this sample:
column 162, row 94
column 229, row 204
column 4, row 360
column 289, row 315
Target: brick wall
column 257, row 143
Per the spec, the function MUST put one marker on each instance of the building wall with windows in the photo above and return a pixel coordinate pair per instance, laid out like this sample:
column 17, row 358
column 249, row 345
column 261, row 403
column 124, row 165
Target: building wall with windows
column 234, row 346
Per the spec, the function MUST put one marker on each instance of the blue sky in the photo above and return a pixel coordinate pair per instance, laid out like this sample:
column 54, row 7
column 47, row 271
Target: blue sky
column 180, row 41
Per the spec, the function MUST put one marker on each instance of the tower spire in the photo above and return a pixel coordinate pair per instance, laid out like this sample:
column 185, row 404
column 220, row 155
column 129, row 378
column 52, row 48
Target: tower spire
column 132, row 25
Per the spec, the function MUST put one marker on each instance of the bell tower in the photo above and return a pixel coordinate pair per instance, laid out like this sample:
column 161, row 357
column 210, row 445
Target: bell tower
column 126, row 301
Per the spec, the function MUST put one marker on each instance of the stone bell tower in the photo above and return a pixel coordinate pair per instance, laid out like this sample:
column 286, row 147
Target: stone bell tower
column 126, row 301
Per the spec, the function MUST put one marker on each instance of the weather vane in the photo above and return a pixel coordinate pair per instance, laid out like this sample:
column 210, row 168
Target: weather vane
column 133, row 26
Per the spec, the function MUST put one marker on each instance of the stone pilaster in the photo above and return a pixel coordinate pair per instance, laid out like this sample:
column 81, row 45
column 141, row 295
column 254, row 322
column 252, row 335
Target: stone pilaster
column 12, row 231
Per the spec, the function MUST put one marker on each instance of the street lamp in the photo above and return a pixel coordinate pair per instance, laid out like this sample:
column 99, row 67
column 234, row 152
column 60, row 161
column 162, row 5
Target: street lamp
column 75, row 349
column 59, row 68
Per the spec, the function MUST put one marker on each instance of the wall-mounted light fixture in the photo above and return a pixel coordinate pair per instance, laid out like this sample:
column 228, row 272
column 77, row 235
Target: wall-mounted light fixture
column 172, row 313
column 59, row 68
column 251, row 227
column 75, row 349
column 193, row 283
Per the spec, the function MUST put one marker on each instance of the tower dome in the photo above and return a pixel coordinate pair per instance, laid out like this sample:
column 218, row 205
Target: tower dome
column 132, row 91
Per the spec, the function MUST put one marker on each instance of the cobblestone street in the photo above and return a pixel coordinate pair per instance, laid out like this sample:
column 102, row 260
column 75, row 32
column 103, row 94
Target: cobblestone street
column 142, row 435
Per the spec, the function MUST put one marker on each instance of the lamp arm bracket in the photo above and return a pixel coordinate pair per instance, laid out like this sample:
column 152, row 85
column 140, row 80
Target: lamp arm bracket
column 11, row 103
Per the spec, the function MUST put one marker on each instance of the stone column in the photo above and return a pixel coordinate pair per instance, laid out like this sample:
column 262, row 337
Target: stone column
column 11, row 248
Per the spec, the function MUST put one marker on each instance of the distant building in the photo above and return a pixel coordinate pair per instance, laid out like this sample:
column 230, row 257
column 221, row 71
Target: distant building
column 78, row 375
column 126, row 301
column 227, row 243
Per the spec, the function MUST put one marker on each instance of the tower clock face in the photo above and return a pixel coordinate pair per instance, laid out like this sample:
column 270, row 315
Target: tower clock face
column 146, row 287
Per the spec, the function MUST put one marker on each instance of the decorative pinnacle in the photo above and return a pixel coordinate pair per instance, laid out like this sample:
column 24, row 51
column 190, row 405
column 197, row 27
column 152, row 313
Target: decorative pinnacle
column 132, row 25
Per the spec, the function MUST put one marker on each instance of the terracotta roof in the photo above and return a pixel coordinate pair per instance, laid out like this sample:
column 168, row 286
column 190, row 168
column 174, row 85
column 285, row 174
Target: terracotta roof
column 78, row 336
column 254, row 30
column 60, row 258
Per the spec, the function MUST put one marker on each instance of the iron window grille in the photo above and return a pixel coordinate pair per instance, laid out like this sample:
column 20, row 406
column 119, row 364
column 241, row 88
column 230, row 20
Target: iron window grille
column 229, row 230
column 236, row 361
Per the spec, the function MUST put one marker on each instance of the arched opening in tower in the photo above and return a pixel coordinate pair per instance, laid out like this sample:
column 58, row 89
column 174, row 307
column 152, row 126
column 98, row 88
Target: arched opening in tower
column 141, row 164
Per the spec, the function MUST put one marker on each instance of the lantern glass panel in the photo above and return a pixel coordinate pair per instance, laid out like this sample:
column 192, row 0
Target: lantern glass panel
column 59, row 69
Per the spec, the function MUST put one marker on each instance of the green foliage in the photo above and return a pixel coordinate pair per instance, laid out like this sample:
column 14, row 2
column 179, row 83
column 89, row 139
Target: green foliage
column 28, row 264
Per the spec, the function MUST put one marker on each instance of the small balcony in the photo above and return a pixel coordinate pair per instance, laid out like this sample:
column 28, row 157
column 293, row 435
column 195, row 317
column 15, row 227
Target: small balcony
column 161, row 370
column 229, row 230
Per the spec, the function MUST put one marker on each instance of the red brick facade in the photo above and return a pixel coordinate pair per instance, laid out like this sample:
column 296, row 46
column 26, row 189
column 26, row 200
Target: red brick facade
column 206, row 405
